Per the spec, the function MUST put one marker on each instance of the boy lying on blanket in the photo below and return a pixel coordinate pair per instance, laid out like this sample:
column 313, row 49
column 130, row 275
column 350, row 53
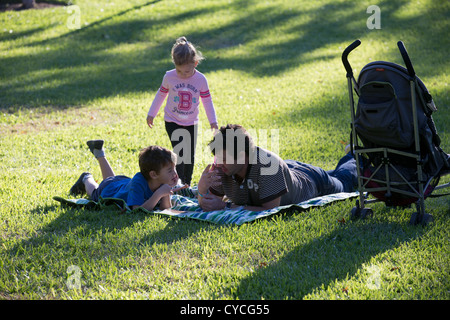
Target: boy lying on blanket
column 258, row 179
column 150, row 187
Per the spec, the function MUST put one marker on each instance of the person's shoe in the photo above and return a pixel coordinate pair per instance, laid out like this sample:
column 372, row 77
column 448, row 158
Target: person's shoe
column 96, row 147
column 78, row 188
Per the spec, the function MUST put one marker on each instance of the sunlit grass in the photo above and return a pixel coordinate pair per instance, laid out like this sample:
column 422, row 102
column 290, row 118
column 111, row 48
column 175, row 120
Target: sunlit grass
column 273, row 65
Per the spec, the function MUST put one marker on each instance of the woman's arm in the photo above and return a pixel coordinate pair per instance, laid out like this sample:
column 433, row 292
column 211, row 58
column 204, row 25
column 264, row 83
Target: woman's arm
column 265, row 206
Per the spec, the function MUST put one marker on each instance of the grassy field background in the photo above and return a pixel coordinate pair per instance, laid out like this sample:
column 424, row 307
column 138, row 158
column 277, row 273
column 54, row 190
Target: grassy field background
column 270, row 65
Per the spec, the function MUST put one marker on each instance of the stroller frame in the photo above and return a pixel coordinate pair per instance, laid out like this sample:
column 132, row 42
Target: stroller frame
column 360, row 211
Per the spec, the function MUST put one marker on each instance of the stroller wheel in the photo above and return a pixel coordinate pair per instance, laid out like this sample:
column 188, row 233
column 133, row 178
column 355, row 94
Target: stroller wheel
column 418, row 218
column 366, row 212
column 355, row 213
column 361, row 213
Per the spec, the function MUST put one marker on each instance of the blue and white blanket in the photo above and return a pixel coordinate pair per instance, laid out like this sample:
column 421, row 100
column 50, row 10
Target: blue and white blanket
column 186, row 207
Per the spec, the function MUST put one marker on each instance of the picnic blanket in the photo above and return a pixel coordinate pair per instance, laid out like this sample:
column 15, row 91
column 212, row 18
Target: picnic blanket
column 187, row 207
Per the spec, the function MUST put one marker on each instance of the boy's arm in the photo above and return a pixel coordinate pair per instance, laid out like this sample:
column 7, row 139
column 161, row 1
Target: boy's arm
column 163, row 193
column 165, row 203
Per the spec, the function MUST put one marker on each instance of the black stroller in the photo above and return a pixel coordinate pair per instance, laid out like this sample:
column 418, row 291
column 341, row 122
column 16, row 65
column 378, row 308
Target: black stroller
column 393, row 137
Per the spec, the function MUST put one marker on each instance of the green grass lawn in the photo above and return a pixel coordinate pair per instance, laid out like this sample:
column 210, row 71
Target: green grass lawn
column 270, row 65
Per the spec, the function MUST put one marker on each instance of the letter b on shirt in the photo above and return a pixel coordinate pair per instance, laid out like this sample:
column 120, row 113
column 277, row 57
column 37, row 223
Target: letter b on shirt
column 185, row 101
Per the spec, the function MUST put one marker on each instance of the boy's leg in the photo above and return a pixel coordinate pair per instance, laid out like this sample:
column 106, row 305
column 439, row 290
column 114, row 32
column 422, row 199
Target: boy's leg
column 90, row 185
column 79, row 187
column 105, row 167
column 96, row 147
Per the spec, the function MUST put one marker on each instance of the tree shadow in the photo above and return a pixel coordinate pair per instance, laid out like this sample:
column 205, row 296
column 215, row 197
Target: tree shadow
column 83, row 65
column 332, row 257
column 421, row 35
column 17, row 5
column 88, row 239
column 87, row 229
column 81, row 221
column 176, row 230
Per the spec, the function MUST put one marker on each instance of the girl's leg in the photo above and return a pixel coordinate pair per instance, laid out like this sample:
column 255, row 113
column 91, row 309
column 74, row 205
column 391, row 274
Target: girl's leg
column 189, row 167
column 171, row 127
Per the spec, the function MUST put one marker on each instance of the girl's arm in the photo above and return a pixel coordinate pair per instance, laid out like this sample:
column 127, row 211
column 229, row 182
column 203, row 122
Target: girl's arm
column 160, row 96
column 210, row 111
column 214, row 126
column 157, row 102
column 209, row 107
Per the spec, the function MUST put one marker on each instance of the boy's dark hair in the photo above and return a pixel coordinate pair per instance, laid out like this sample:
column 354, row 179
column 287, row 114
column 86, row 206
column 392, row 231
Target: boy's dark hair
column 232, row 135
column 154, row 158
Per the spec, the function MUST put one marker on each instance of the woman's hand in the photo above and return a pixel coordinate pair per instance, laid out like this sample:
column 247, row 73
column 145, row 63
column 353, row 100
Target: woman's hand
column 207, row 179
column 211, row 202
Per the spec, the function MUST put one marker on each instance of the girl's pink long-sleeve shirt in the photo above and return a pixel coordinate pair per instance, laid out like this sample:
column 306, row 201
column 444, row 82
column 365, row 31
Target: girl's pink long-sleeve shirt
column 182, row 105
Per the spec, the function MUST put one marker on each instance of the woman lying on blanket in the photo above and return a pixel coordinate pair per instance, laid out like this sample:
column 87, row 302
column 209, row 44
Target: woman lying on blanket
column 258, row 179
column 151, row 186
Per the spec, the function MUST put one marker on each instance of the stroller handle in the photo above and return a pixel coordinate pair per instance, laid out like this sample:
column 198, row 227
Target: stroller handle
column 345, row 54
column 406, row 59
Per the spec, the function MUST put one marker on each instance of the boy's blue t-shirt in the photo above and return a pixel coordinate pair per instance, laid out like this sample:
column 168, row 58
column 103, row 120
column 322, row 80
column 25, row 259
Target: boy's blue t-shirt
column 134, row 191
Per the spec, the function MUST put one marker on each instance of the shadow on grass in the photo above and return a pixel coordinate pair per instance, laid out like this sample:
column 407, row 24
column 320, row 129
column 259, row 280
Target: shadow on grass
column 323, row 261
column 81, row 236
column 85, row 238
column 86, row 222
column 422, row 37
column 78, row 67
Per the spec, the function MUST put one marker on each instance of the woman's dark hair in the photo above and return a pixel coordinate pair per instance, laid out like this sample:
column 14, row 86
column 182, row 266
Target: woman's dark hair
column 235, row 136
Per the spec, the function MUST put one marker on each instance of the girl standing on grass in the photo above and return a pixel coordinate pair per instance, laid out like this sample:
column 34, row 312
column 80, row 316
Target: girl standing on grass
column 185, row 86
